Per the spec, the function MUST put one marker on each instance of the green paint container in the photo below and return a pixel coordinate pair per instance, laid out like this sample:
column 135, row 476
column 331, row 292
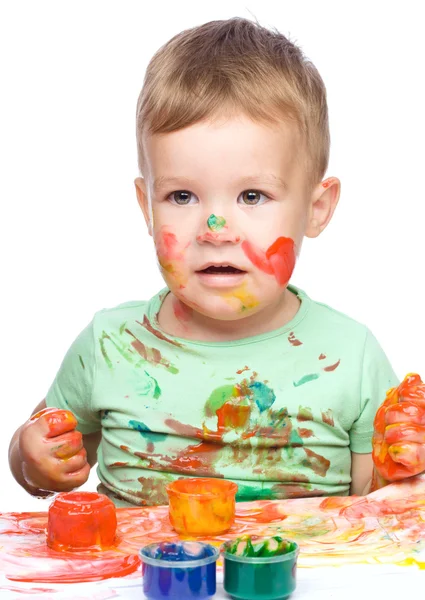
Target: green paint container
column 260, row 577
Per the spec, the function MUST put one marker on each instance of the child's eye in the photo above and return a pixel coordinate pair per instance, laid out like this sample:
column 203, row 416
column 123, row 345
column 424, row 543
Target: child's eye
column 252, row 198
column 182, row 198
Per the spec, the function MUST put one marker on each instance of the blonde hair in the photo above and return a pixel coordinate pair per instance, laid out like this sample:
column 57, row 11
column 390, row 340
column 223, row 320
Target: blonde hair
column 232, row 66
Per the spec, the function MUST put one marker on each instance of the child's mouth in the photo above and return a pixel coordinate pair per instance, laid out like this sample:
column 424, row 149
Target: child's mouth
column 221, row 275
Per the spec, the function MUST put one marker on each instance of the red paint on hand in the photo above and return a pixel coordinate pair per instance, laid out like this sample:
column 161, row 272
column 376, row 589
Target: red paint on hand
column 58, row 421
column 399, row 436
column 278, row 260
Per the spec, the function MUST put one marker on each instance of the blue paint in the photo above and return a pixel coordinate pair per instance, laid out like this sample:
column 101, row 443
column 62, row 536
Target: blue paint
column 148, row 434
column 264, row 396
column 179, row 570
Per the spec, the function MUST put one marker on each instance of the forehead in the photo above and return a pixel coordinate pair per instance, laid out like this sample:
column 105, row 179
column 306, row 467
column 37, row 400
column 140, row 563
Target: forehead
column 216, row 151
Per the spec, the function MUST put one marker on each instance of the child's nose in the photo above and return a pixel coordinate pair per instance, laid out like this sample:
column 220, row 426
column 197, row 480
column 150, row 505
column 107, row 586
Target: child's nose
column 217, row 231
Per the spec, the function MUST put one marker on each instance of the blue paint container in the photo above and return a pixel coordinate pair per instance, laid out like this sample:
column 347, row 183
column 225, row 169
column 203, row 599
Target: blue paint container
column 179, row 570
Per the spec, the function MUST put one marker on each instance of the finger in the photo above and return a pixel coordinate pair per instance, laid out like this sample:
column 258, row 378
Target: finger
column 55, row 421
column 379, row 421
column 404, row 432
column 66, row 445
column 405, row 412
column 410, row 455
column 74, row 463
column 413, row 389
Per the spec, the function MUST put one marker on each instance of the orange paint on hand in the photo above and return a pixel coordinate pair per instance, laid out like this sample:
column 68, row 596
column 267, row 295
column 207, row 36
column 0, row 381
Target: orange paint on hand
column 278, row 260
column 81, row 520
column 58, row 421
column 399, row 431
column 201, row 507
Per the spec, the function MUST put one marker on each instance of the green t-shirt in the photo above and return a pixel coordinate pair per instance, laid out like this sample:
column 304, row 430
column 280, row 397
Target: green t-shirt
column 277, row 413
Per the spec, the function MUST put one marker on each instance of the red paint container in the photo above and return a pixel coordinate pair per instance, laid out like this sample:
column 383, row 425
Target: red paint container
column 81, row 521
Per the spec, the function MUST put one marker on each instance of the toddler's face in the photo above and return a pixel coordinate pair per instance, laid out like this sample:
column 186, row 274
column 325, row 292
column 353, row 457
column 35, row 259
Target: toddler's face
column 229, row 209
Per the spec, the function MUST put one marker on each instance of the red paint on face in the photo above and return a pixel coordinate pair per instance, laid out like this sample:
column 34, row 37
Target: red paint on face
column 278, row 260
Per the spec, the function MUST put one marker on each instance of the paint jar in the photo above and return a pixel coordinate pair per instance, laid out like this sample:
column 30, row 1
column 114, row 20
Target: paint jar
column 179, row 570
column 81, row 521
column 259, row 575
column 202, row 507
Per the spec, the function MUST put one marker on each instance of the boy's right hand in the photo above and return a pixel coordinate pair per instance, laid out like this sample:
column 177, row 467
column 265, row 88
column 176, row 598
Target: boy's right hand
column 52, row 452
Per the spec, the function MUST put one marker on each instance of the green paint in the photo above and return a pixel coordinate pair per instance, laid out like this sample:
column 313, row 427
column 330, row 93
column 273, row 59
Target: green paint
column 146, row 433
column 130, row 354
column 295, row 439
column 123, row 327
column 249, row 546
column 156, row 388
column 260, row 568
column 81, row 361
column 306, row 379
column 305, row 414
column 247, row 493
column 219, row 396
column 216, row 223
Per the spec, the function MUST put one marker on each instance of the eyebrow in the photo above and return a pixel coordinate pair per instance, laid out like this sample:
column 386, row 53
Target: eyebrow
column 273, row 180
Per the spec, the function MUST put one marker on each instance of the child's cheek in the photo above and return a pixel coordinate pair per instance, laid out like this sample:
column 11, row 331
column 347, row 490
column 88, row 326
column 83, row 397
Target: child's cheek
column 278, row 260
column 171, row 256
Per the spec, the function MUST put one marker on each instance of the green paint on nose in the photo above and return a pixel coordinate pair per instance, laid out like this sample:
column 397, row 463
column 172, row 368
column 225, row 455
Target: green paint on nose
column 216, row 223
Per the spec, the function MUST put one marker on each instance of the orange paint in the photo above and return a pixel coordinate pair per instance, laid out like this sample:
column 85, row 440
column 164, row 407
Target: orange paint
column 80, row 521
column 58, row 421
column 399, row 432
column 202, row 506
column 278, row 260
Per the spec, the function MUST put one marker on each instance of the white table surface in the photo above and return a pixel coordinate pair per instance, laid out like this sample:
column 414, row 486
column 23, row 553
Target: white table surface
column 352, row 582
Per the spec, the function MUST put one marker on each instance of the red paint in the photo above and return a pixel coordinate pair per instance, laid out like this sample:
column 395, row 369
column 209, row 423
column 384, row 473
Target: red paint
column 182, row 312
column 293, row 340
column 147, row 325
column 322, row 356
column 232, row 416
column 74, row 570
column 399, row 432
column 246, row 368
column 305, row 433
column 58, row 421
column 327, row 417
column 81, row 520
column 319, row 464
column 332, row 367
column 278, row 260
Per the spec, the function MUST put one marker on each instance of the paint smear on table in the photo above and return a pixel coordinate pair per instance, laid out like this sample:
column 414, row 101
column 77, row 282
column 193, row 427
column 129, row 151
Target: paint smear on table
column 388, row 526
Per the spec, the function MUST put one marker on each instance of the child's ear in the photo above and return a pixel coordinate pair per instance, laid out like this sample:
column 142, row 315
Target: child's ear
column 324, row 200
column 142, row 199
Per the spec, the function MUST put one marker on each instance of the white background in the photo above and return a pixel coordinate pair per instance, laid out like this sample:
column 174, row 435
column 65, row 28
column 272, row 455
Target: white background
column 72, row 237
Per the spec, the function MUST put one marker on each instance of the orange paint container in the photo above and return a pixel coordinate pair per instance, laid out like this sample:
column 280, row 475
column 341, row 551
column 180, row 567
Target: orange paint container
column 81, row 521
column 201, row 507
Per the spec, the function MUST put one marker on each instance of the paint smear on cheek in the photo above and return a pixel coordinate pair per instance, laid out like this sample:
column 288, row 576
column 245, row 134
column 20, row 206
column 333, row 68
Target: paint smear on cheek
column 278, row 260
column 171, row 256
column 241, row 299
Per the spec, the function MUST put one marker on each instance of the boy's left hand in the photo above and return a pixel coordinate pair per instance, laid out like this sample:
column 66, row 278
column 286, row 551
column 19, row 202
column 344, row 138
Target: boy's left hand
column 399, row 437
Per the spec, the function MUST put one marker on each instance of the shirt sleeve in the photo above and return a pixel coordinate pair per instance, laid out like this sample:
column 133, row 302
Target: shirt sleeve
column 73, row 384
column 376, row 379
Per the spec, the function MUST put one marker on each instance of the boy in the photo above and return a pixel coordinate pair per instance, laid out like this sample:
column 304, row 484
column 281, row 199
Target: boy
column 230, row 371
